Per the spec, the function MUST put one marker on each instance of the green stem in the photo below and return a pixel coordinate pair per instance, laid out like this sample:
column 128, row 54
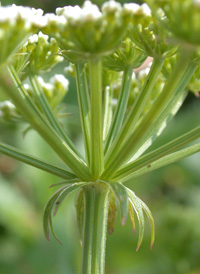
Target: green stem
column 137, row 108
column 83, row 101
column 96, row 149
column 44, row 104
column 146, row 160
column 49, row 135
column 121, row 106
column 108, row 111
column 35, row 162
column 95, row 226
column 133, row 142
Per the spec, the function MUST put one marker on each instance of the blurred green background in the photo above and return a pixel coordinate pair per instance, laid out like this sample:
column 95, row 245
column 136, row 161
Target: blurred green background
column 172, row 193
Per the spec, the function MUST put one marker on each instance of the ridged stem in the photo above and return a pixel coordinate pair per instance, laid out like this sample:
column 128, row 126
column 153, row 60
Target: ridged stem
column 83, row 101
column 121, row 106
column 96, row 145
column 95, row 227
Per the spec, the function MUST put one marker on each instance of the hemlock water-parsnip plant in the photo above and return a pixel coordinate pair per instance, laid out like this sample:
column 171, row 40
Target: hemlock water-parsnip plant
column 133, row 66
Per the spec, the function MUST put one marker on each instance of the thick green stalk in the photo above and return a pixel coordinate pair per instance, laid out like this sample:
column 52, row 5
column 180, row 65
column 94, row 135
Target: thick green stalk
column 121, row 107
column 44, row 104
column 49, row 135
column 146, row 160
column 137, row 108
column 133, row 142
column 83, row 101
column 96, row 144
column 95, row 227
column 35, row 162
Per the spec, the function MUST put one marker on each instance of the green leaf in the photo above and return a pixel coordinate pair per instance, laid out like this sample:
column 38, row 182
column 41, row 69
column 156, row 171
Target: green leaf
column 138, row 210
column 131, row 215
column 112, row 214
column 47, row 218
column 151, row 220
column 67, row 191
column 33, row 161
column 80, row 206
column 121, row 195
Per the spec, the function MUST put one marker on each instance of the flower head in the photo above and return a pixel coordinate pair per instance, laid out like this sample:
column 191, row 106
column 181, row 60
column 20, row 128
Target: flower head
column 16, row 25
column 39, row 54
column 86, row 31
column 147, row 34
column 180, row 17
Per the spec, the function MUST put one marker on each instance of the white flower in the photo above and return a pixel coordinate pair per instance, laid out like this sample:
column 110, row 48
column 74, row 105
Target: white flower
column 7, row 104
column 61, row 80
column 44, row 85
column 89, row 12
column 137, row 9
column 131, row 8
column 111, row 6
column 196, row 3
column 144, row 72
column 146, row 10
column 54, row 19
column 33, row 39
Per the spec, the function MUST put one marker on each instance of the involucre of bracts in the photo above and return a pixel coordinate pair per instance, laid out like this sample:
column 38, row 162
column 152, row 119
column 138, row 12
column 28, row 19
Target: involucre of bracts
column 181, row 18
column 16, row 25
column 127, row 54
column 121, row 199
column 39, row 54
column 86, row 31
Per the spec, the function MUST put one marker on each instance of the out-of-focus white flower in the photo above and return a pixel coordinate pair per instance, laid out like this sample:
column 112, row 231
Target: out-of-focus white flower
column 59, row 79
column 16, row 25
column 39, row 54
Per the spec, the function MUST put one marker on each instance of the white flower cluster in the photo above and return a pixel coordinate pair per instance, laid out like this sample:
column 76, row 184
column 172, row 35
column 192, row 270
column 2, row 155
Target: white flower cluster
column 89, row 12
column 59, row 79
column 137, row 9
column 30, row 16
column 111, row 6
column 7, row 109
